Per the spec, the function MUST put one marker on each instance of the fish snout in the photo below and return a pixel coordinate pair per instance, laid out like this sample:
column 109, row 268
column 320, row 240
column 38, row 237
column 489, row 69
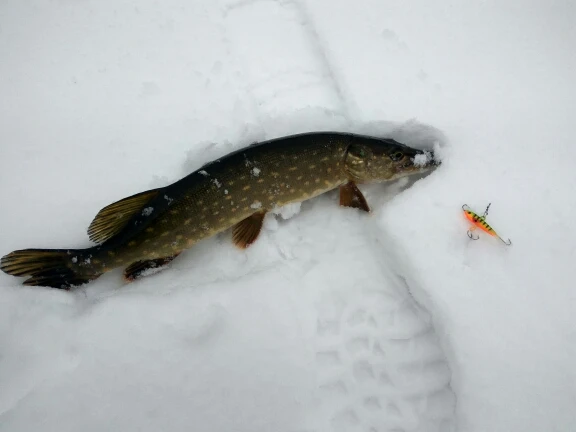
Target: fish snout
column 425, row 160
column 435, row 160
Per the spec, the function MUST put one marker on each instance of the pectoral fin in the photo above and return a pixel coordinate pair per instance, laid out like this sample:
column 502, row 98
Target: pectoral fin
column 350, row 196
column 246, row 232
column 135, row 270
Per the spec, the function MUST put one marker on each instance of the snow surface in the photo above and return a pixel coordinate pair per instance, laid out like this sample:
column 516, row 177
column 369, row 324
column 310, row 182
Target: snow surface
column 333, row 320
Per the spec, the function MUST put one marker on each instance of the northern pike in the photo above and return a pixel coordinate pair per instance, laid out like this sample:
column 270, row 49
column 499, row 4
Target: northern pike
column 148, row 230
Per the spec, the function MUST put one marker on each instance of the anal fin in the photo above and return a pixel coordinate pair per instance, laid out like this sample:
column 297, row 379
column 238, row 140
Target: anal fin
column 246, row 231
column 350, row 196
column 135, row 270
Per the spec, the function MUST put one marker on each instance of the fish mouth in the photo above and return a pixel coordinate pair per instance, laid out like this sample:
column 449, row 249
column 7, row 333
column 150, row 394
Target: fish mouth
column 421, row 162
column 434, row 159
column 425, row 160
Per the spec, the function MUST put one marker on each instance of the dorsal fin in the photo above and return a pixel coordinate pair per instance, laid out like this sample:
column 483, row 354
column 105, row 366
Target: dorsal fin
column 111, row 219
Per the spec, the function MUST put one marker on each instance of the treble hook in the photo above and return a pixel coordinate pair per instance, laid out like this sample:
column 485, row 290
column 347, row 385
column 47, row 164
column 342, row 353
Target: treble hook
column 469, row 232
column 508, row 243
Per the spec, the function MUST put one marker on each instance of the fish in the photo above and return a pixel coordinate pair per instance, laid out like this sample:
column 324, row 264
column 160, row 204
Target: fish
column 144, row 232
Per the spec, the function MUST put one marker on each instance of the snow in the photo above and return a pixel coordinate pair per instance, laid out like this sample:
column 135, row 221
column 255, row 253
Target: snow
column 423, row 159
column 287, row 211
column 334, row 320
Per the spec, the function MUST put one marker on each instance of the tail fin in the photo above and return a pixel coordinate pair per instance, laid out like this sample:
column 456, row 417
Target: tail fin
column 57, row 268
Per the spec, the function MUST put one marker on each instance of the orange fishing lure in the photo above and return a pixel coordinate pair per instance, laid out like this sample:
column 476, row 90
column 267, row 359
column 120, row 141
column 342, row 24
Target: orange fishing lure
column 480, row 222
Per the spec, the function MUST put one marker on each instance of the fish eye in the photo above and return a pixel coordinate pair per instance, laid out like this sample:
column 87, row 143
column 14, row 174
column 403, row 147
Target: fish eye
column 396, row 156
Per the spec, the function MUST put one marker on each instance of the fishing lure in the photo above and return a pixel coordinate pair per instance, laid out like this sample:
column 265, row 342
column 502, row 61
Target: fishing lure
column 480, row 222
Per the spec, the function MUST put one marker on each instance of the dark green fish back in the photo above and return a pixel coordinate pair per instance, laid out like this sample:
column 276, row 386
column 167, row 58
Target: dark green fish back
column 226, row 191
column 149, row 229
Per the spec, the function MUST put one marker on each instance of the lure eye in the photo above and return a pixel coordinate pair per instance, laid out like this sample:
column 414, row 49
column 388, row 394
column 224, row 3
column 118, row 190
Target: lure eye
column 396, row 156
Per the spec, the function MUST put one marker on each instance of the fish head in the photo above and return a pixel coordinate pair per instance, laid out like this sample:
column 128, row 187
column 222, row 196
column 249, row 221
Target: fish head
column 377, row 160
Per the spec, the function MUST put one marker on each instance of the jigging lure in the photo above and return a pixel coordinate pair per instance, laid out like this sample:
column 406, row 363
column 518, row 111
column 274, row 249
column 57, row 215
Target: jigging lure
column 480, row 223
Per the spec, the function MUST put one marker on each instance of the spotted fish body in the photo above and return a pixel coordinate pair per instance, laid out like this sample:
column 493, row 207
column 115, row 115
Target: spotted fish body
column 227, row 191
column 149, row 229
